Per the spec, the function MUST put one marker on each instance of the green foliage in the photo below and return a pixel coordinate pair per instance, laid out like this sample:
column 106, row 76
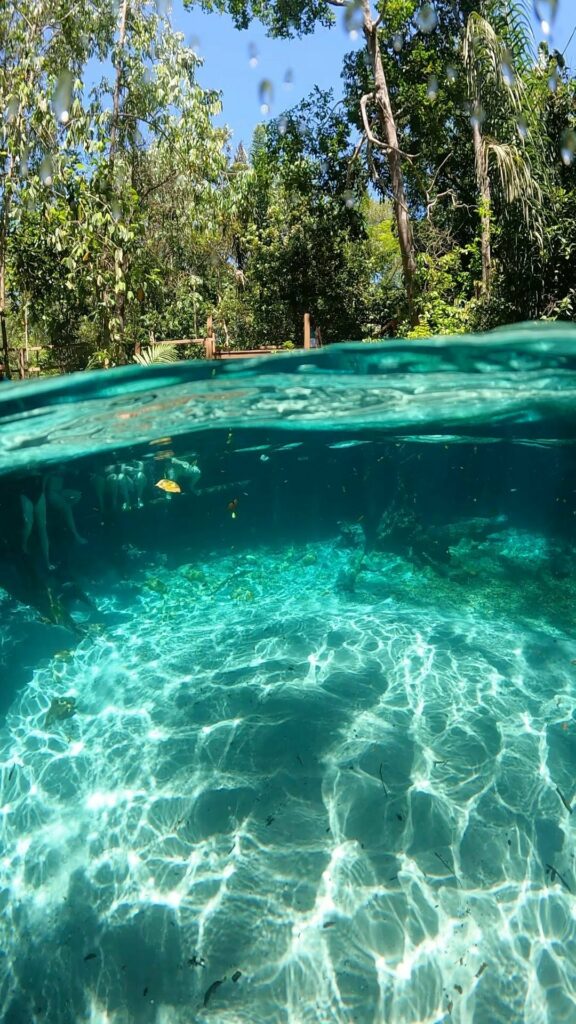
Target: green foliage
column 301, row 234
column 444, row 306
column 281, row 18
column 81, row 219
column 125, row 221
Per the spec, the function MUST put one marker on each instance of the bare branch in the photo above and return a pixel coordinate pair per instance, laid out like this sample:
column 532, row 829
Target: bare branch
column 358, row 148
column 158, row 184
column 445, row 161
column 370, row 135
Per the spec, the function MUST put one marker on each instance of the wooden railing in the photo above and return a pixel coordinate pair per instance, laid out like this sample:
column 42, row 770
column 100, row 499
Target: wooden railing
column 211, row 349
column 214, row 351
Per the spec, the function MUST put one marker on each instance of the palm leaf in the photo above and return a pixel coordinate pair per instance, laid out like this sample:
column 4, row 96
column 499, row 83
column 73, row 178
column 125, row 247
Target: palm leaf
column 156, row 354
column 518, row 183
column 486, row 55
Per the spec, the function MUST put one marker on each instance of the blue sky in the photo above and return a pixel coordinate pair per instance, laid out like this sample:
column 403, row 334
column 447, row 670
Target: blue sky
column 314, row 60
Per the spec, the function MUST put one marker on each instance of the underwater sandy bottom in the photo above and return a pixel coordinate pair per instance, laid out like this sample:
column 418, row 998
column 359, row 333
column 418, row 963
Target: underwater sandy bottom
column 341, row 809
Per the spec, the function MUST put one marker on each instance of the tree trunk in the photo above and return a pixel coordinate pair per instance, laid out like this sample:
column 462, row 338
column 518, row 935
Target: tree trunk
column 120, row 296
column 483, row 182
column 3, row 331
column 119, row 69
column 390, row 137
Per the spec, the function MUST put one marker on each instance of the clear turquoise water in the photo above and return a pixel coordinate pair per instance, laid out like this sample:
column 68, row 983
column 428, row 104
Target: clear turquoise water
column 321, row 726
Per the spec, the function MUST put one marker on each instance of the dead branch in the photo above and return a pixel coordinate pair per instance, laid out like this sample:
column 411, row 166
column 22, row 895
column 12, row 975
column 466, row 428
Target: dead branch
column 378, row 143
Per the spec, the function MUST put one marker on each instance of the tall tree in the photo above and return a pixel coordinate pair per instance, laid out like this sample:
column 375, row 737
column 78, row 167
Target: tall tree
column 93, row 167
column 496, row 54
column 289, row 17
column 43, row 45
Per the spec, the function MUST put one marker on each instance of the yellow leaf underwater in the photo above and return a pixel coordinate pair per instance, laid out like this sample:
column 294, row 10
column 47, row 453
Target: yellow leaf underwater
column 170, row 486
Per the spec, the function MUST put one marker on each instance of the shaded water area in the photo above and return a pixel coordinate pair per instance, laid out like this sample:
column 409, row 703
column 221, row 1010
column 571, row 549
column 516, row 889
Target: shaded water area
column 289, row 689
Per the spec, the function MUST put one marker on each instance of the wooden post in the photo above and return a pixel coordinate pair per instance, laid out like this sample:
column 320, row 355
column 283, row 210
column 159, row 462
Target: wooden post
column 26, row 337
column 5, row 352
column 22, row 363
column 306, row 330
column 210, row 340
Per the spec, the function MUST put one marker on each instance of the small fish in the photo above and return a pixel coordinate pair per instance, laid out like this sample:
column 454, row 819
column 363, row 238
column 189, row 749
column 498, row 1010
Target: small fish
column 564, row 800
column 170, row 486
column 90, row 956
column 380, row 773
column 232, row 507
column 211, row 990
column 480, row 970
column 444, row 862
column 556, row 874
column 236, row 975
column 160, row 440
column 11, row 772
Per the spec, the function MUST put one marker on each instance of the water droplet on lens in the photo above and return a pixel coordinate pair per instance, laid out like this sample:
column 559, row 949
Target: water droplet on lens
column 282, row 125
column 426, row 18
column 349, row 198
column 568, row 147
column 545, row 11
column 23, row 163
column 507, row 69
column 265, row 95
column 289, row 79
column 353, row 18
column 477, row 115
column 522, row 126
column 397, row 41
column 11, row 110
column 47, row 170
column 451, row 74
column 62, row 98
column 115, row 210
column 553, row 81
column 432, row 87
column 253, row 55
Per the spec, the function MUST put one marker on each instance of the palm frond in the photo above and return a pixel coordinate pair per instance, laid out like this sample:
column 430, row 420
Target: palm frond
column 515, row 25
column 156, row 354
column 487, row 58
column 518, row 183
